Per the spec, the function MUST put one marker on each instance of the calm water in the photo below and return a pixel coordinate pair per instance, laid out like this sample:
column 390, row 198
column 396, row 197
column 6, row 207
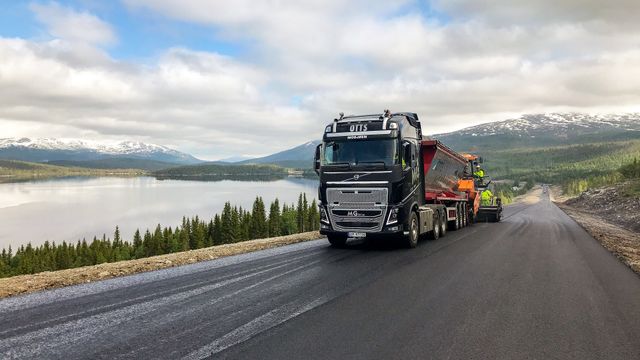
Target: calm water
column 73, row 208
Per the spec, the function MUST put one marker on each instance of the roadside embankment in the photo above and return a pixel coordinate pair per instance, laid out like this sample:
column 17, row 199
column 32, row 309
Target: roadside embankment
column 24, row 284
column 611, row 218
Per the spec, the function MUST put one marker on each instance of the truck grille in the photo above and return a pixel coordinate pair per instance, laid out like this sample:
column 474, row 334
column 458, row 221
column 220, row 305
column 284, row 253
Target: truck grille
column 357, row 209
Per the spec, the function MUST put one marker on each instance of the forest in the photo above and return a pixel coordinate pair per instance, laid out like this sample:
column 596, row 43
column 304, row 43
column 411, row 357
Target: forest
column 234, row 224
column 574, row 167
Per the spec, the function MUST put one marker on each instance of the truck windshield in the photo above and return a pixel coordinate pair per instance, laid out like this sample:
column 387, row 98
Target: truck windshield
column 381, row 151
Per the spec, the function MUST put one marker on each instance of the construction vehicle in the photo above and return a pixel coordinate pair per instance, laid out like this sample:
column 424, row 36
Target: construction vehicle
column 380, row 178
column 476, row 186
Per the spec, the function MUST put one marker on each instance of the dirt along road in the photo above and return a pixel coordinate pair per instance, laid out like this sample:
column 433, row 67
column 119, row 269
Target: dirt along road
column 533, row 286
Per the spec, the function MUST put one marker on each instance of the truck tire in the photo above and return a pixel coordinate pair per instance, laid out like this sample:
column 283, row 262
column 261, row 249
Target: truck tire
column 437, row 227
column 337, row 241
column 443, row 224
column 463, row 214
column 411, row 240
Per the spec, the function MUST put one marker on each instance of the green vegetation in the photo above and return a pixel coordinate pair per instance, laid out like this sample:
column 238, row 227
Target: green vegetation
column 116, row 163
column 13, row 170
column 232, row 225
column 574, row 167
column 215, row 171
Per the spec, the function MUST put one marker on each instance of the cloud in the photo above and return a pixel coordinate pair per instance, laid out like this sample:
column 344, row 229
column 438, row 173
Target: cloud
column 202, row 102
column 68, row 24
column 474, row 61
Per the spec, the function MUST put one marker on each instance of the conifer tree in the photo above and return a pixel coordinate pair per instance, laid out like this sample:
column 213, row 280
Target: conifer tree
column 300, row 215
column 258, row 227
column 274, row 218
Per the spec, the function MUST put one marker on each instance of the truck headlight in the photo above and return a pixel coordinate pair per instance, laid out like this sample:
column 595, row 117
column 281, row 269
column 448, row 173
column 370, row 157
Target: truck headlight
column 393, row 216
column 323, row 215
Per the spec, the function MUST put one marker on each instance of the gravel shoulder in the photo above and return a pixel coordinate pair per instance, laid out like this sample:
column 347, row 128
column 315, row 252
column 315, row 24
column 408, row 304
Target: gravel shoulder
column 24, row 284
column 611, row 218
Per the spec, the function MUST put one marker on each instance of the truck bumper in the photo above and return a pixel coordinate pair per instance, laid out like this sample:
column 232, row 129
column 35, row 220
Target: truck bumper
column 388, row 232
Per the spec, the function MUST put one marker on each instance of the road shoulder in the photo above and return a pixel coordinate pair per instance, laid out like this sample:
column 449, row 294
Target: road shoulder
column 624, row 244
column 25, row 284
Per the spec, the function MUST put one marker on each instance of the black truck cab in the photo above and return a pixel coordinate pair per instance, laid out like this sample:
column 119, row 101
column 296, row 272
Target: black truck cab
column 370, row 173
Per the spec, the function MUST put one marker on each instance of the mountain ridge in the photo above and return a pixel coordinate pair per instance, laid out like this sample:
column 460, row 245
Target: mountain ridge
column 52, row 149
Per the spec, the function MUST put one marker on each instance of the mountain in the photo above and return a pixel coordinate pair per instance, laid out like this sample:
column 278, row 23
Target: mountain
column 234, row 159
column 49, row 149
column 116, row 163
column 540, row 130
column 298, row 157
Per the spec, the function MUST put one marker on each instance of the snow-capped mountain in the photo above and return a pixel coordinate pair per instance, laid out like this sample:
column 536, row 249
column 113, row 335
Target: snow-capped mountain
column 558, row 124
column 50, row 149
column 544, row 130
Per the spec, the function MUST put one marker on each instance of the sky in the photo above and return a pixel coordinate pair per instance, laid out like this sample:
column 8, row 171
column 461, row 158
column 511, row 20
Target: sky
column 251, row 77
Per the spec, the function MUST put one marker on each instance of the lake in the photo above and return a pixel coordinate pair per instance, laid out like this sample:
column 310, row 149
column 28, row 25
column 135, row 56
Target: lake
column 72, row 208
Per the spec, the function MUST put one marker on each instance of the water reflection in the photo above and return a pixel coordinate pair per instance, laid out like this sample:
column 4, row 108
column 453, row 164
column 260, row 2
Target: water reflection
column 73, row 208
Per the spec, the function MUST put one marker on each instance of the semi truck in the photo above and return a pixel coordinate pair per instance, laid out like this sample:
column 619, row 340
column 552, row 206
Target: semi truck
column 379, row 178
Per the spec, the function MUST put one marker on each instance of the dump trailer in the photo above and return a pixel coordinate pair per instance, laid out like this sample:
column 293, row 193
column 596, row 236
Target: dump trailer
column 380, row 178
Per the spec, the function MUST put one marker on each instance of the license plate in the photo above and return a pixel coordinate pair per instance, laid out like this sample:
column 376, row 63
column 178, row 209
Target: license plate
column 357, row 235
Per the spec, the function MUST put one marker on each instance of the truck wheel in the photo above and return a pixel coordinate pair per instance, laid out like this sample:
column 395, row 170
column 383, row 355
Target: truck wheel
column 458, row 217
column 412, row 239
column 437, row 226
column 463, row 214
column 443, row 225
column 337, row 241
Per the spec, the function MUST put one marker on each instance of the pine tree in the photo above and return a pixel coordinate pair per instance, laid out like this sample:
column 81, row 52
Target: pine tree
column 217, row 230
column 138, row 248
column 300, row 215
column 313, row 216
column 274, row 218
column 258, row 227
column 227, row 235
column 236, row 226
column 306, row 225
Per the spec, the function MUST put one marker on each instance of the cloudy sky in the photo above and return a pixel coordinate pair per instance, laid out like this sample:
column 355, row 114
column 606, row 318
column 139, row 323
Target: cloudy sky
column 251, row 77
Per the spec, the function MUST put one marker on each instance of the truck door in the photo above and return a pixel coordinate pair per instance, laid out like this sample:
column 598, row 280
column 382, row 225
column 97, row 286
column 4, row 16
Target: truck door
column 411, row 171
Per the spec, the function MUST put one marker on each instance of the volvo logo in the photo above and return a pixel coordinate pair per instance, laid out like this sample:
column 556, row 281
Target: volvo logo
column 356, row 177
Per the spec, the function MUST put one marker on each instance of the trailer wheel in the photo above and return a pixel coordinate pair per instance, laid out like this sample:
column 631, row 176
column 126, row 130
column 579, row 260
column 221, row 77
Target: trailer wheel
column 463, row 214
column 442, row 221
column 412, row 239
column 337, row 241
column 437, row 226
column 459, row 217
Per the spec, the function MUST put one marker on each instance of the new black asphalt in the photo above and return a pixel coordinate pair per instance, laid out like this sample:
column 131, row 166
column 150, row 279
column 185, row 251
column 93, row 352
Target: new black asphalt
column 535, row 286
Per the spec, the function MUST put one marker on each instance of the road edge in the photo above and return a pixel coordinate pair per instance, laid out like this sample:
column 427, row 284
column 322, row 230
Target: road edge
column 25, row 284
column 622, row 243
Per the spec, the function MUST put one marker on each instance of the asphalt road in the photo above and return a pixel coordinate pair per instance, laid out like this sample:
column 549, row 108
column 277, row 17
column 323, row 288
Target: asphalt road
column 535, row 286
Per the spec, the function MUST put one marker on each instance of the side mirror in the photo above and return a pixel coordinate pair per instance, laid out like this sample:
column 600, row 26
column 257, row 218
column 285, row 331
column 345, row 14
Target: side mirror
column 316, row 159
column 481, row 160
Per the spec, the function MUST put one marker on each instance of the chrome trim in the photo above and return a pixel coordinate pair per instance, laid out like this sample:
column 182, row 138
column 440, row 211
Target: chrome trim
column 411, row 193
column 357, row 172
column 357, row 182
column 357, row 133
column 359, row 199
